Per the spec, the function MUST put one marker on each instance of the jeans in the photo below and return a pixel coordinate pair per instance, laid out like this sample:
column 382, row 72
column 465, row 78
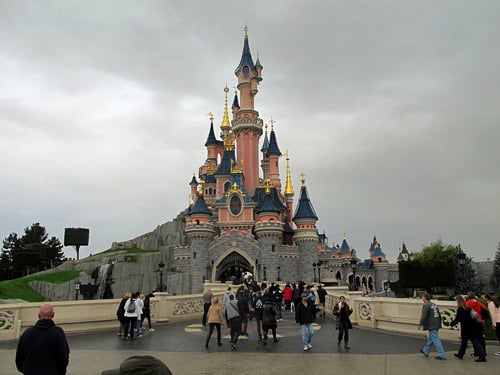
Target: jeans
column 211, row 330
column 433, row 338
column 478, row 348
column 307, row 332
column 235, row 329
column 258, row 320
column 206, row 306
column 343, row 330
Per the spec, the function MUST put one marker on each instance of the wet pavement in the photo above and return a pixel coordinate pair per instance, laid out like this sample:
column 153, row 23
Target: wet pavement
column 181, row 345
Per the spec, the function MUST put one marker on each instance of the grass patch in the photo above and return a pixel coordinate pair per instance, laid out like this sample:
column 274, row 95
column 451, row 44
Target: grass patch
column 132, row 250
column 20, row 289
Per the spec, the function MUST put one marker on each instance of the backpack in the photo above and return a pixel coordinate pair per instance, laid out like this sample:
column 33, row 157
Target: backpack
column 475, row 316
column 131, row 306
column 259, row 304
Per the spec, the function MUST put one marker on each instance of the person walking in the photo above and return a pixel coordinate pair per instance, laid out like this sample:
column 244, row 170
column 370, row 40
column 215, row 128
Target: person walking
column 258, row 306
column 207, row 301
column 342, row 311
column 430, row 320
column 215, row 319
column 269, row 316
column 43, row 348
column 468, row 330
column 146, row 311
column 140, row 313
column 233, row 320
column 305, row 316
column 241, row 296
column 120, row 314
column 322, row 299
column 494, row 308
column 132, row 313
column 287, row 297
column 481, row 310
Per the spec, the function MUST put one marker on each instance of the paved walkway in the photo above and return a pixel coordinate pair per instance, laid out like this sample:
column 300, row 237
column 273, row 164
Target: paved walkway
column 181, row 347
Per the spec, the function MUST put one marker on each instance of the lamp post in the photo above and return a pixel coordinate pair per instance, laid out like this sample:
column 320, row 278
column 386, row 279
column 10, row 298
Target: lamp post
column 265, row 274
column 279, row 278
column 319, row 264
column 314, row 270
column 77, row 290
column 353, row 265
column 161, row 267
column 461, row 262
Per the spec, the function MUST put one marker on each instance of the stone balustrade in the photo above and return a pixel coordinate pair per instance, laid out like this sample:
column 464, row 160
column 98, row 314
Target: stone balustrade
column 391, row 314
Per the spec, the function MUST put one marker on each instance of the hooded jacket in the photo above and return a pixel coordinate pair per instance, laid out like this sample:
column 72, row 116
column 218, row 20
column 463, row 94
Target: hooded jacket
column 431, row 317
column 43, row 349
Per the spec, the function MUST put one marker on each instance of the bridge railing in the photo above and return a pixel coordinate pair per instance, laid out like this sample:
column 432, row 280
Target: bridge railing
column 392, row 314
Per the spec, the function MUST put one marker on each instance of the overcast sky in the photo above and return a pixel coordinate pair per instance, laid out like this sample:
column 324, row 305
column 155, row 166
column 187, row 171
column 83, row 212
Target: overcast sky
column 391, row 109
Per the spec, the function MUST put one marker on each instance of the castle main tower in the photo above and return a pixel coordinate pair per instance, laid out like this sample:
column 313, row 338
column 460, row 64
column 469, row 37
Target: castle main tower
column 246, row 125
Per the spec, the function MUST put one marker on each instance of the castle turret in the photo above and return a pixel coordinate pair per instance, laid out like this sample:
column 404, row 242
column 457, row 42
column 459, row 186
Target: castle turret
column 306, row 234
column 200, row 232
column 274, row 153
column 246, row 125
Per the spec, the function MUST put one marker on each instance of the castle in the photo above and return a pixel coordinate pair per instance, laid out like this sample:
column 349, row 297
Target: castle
column 241, row 218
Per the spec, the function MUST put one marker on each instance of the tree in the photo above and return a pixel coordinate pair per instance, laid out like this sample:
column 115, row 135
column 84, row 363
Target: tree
column 495, row 277
column 32, row 252
column 467, row 279
column 433, row 268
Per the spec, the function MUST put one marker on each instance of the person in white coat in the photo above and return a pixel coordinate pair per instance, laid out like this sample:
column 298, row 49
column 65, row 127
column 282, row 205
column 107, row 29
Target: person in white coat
column 131, row 314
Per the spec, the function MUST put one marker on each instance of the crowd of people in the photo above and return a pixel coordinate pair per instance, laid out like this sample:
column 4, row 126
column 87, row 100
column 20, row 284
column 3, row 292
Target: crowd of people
column 133, row 310
column 43, row 348
column 265, row 305
column 472, row 316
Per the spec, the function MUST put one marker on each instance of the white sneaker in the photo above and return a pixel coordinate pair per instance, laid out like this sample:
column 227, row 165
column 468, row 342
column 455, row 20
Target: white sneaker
column 309, row 346
column 497, row 353
column 151, row 330
column 305, row 348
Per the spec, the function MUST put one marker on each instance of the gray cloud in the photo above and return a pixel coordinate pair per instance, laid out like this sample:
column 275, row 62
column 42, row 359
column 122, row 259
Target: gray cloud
column 389, row 108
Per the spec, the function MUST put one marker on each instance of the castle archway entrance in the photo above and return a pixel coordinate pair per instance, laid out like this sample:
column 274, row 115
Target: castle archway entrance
column 231, row 268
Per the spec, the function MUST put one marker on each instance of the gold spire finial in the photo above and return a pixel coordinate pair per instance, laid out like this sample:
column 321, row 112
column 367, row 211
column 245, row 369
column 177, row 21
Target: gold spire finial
column 345, row 237
column 268, row 185
column 245, row 29
column 211, row 116
column 288, row 185
column 225, row 118
column 303, row 179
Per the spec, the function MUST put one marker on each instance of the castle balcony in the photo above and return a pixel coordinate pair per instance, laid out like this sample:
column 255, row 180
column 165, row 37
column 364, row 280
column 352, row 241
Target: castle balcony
column 268, row 228
column 196, row 229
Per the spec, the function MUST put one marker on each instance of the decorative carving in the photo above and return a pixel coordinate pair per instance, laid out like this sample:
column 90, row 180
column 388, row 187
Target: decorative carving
column 447, row 315
column 365, row 311
column 188, row 307
column 7, row 319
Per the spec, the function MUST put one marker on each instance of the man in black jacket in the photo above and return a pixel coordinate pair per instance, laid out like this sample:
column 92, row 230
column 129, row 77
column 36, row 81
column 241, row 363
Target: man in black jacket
column 305, row 316
column 43, row 348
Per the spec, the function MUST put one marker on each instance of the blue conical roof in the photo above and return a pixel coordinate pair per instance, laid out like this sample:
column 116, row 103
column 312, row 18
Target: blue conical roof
column 246, row 56
column 273, row 148
column 200, row 207
column 304, row 209
column 268, row 205
column 236, row 103
column 193, row 181
column 211, row 140
column 344, row 248
column 225, row 164
column 265, row 144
